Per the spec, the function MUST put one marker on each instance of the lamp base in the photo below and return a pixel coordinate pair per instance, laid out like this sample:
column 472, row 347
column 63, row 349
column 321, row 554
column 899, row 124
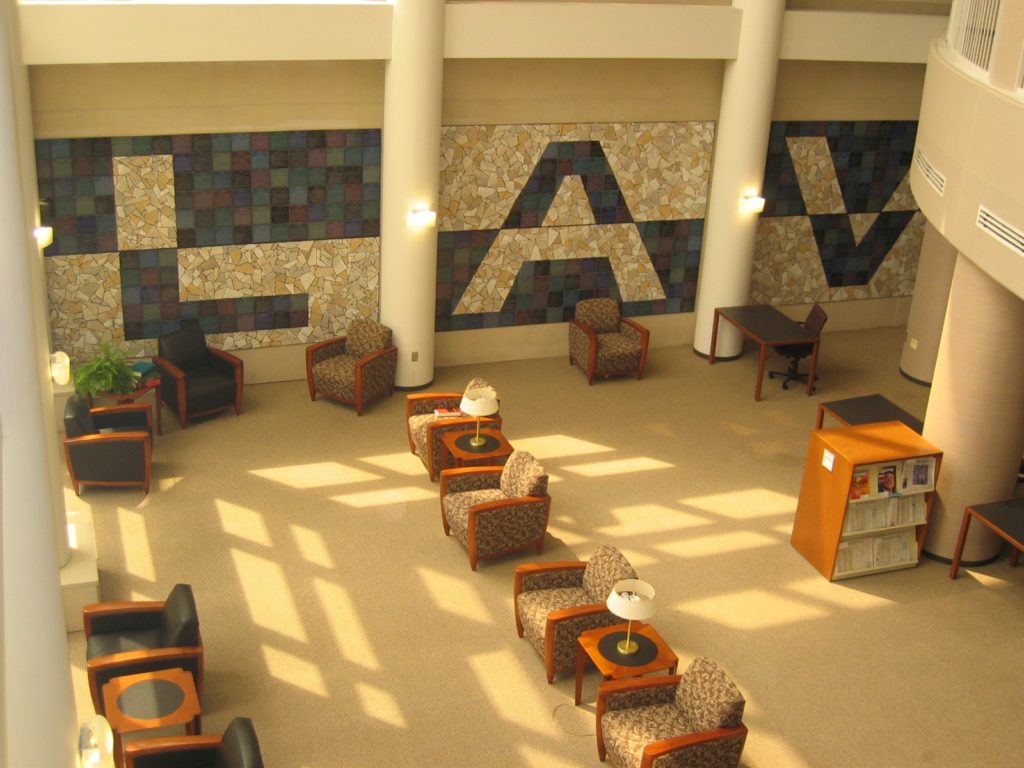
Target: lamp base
column 627, row 647
column 477, row 441
column 646, row 652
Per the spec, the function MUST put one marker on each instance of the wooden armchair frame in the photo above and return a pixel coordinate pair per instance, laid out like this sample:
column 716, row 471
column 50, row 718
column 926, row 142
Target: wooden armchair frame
column 324, row 350
column 608, row 690
column 468, row 478
column 237, row 368
column 137, row 615
column 102, row 441
column 520, row 581
column 426, row 402
column 591, row 336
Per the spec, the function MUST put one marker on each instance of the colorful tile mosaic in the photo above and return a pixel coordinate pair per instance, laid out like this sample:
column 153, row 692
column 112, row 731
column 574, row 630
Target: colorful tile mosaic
column 144, row 202
column 615, row 197
column 850, row 180
column 169, row 202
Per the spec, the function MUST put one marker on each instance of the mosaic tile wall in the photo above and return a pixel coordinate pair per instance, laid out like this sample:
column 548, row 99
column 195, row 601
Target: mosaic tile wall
column 839, row 221
column 534, row 218
column 260, row 238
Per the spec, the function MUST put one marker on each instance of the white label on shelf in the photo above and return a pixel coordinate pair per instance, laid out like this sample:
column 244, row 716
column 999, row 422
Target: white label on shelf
column 828, row 459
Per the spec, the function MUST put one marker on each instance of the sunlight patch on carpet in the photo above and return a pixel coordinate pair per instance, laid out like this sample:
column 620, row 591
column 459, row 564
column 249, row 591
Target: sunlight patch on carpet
column 557, row 446
column 747, row 504
column 818, row 588
column 312, row 546
column 241, row 522
column 290, row 669
column 380, row 705
column 650, row 518
column 455, row 595
column 403, row 463
column 618, row 467
column 267, row 595
column 719, row 544
column 343, row 618
column 318, row 475
column 387, row 496
column 138, row 557
column 512, row 693
column 752, row 609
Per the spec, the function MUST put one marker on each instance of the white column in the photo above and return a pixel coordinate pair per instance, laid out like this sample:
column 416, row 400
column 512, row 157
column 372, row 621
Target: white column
column 975, row 408
column 411, row 161
column 741, row 144
column 928, row 307
column 39, row 721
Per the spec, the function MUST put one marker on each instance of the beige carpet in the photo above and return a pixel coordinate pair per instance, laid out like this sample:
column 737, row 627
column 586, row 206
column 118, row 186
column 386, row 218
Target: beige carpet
column 338, row 617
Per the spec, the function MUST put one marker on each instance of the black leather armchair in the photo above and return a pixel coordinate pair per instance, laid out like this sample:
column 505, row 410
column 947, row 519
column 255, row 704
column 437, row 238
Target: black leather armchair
column 110, row 445
column 128, row 637
column 197, row 380
column 238, row 747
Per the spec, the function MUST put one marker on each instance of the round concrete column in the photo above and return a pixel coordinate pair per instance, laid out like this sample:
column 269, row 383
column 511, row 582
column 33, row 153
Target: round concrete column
column 741, row 144
column 975, row 409
column 411, row 162
column 928, row 307
column 39, row 722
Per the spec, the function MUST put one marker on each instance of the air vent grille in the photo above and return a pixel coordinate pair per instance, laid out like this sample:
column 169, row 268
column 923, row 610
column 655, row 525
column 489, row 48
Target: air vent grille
column 1001, row 230
column 930, row 172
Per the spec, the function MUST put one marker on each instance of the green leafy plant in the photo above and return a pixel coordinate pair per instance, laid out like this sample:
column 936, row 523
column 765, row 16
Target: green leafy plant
column 108, row 372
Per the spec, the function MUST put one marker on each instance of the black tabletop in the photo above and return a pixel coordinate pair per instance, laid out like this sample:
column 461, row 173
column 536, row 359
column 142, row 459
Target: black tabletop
column 1007, row 515
column 869, row 409
column 768, row 324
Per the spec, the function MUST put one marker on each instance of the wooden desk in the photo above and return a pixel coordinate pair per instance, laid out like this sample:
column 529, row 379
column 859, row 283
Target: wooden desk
column 1005, row 518
column 151, row 700
column 868, row 409
column 461, row 454
column 769, row 328
column 612, row 667
column 151, row 385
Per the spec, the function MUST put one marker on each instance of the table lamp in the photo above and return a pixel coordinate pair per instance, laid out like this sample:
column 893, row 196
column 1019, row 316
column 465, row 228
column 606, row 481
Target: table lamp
column 633, row 600
column 479, row 401
column 96, row 743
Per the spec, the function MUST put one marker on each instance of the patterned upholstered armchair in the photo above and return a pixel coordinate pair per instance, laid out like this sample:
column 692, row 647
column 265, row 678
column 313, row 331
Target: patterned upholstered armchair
column 356, row 369
column 425, row 428
column 693, row 720
column 603, row 343
column 496, row 510
column 554, row 602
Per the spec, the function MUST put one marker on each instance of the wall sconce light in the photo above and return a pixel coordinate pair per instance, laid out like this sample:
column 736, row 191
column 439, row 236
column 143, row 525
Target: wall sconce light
column 60, row 368
column 43, row 235
column 421, row 218
column 751, row 203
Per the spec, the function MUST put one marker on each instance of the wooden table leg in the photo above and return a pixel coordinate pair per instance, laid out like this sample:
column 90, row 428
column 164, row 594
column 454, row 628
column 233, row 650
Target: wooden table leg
column 159, row 408
column 954, row 566
column 760, row 369
column 813, row 368
column 580, row 660
column 714, row 338
column 821, row 416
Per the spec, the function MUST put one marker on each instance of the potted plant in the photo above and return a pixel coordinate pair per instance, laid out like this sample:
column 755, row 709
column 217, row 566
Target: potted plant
column 107, row 372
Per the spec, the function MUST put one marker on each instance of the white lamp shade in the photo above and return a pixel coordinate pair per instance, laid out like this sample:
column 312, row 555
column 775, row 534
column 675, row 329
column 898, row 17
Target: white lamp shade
column 632, row 599
column 480, row 401
column 60, row 368
column 96, row 743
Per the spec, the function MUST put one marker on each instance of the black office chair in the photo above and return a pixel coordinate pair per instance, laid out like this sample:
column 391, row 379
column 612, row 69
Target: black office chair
column 814, row 321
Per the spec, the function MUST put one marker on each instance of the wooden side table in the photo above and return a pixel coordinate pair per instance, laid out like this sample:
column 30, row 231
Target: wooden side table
column 461, row 454
column 151, row 700
column 1004, row 518
column 599, row 646
column 151, row 385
